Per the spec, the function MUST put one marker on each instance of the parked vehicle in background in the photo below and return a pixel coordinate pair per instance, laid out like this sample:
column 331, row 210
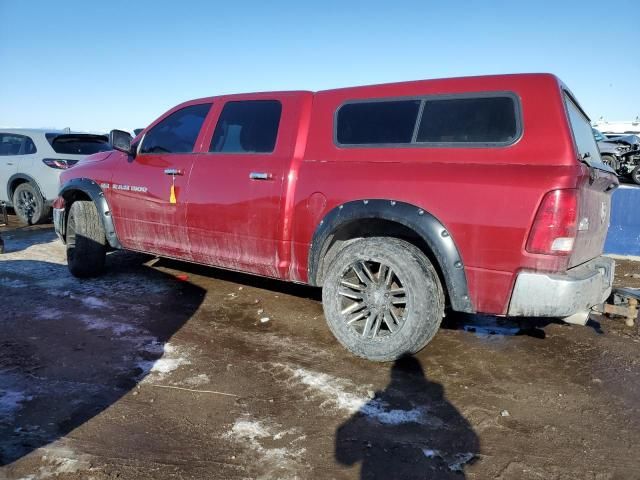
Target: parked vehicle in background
column 30, row 164
column 622, row 153
column 477, row 194
column 615, row 129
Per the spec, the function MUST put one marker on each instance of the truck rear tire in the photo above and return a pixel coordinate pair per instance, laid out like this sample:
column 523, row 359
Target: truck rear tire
column 635, row 175
column 29, row 205
column 382, row 298
column 86, row 241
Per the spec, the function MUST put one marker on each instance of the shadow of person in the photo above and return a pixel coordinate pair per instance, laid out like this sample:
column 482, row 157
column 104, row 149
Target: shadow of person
column 71, row 348
column 407, row 431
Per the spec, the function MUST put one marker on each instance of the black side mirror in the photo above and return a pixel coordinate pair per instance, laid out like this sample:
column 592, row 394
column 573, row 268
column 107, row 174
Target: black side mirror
column 121, row 141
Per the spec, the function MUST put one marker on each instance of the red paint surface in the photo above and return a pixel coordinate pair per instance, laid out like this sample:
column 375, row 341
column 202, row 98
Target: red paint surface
column 486, row 197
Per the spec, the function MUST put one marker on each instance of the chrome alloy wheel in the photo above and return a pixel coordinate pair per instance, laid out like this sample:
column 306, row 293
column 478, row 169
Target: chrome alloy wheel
column 373, row 299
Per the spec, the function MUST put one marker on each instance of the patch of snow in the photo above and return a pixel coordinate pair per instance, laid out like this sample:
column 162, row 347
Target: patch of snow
column 167, row 365
column 10, row 402
column 455, row 462
column 198, row 380
column 59, row 460
column 335, row 393
column 273, row 461
column 172, row 358
column 92, row 323
column 8, row 283
column 48, row 314
column 459, row 461
column 93, row 302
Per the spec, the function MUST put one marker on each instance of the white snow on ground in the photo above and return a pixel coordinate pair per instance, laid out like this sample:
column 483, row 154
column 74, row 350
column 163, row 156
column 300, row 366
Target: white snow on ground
column 455, row 462
column 198, row 380
column 117, row 328
column 42, row 313
column 342, row 394
column 58, row 459
column 9, row 283
column 93, row 302
column 172, row 358
column 285, row 463
column 10, row 402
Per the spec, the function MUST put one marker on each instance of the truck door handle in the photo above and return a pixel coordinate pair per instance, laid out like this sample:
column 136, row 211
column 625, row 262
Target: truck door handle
column 173, row 171
column 260, row 176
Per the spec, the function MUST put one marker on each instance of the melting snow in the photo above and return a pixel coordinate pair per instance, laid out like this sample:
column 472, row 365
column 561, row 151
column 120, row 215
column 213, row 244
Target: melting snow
column 10, row 402
column 172, row 358
column 8, row 283
column 334, row 392
column 117, row 328
column 93, row 302
column 275, row 462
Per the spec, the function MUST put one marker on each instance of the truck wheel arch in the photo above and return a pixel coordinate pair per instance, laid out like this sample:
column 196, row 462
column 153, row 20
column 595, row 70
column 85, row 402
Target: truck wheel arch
column 87, row 189
column 377, row 217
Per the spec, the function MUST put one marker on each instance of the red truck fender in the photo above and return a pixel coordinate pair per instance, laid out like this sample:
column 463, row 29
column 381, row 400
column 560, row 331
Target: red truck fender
column 85, row 188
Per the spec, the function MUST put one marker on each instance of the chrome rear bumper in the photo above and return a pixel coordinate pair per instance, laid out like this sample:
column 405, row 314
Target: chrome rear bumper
column 538, row 294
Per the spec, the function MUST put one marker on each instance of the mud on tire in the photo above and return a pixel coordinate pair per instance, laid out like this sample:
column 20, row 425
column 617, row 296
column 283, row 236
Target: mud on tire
column 86, row 241
column 382, row 298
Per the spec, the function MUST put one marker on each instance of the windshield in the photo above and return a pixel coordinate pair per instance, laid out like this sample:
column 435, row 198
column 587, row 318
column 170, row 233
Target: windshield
column 78, row 144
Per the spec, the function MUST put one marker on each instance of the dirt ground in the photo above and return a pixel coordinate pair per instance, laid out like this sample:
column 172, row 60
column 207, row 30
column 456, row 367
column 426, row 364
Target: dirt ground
column 164, row 370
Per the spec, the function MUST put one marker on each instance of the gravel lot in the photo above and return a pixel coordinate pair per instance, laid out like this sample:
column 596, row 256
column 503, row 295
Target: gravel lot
column 162, row 370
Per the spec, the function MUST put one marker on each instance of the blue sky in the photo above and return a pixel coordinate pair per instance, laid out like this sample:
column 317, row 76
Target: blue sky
column 120, row 64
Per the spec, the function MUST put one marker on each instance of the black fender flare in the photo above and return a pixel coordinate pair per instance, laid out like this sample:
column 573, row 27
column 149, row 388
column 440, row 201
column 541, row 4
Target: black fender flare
column 26, row 178
column 95, row 193
column 424, row 224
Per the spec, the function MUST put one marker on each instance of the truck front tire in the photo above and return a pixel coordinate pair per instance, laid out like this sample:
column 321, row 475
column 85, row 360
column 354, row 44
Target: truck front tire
column 86, row 241
column 382, row 298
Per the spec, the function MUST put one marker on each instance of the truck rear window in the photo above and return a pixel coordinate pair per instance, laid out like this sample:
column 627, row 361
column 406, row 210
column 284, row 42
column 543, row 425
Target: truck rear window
column 488, row 119
column 78, row 144
column 583, row 134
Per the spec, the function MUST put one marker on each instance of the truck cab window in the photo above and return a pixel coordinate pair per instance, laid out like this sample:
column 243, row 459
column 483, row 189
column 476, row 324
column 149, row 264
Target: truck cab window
column 178, row 132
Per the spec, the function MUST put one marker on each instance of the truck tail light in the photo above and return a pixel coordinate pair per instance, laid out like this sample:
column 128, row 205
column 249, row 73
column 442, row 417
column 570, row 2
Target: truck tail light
column 59, row 163
column 556, row 224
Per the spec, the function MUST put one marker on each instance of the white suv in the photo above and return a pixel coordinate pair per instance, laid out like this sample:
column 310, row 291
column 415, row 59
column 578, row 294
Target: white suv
column 31, row 161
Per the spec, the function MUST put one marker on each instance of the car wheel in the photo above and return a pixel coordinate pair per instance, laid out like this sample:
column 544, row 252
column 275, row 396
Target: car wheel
column 611, row 161
column 382, row 298
column 635, row 175
column 29, row 204
column 86, row 241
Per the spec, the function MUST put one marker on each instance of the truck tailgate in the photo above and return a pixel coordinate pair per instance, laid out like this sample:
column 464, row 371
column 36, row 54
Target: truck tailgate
column 593, row 216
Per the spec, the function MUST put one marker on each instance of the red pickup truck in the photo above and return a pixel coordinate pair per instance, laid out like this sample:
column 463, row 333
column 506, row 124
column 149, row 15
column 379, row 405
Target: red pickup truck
column 478, row 194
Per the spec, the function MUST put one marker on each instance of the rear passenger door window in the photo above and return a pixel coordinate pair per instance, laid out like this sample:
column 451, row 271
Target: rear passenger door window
column 247, row 127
